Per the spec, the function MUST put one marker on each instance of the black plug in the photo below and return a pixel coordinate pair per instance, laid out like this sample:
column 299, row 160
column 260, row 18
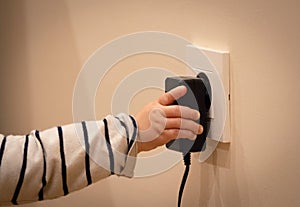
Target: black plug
column 198, row 97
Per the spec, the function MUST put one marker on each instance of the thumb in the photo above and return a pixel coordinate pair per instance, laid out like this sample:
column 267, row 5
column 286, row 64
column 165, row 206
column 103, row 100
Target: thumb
column 172, row 95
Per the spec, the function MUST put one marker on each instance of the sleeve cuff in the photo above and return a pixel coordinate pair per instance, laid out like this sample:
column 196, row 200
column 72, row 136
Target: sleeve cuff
column 131, row 156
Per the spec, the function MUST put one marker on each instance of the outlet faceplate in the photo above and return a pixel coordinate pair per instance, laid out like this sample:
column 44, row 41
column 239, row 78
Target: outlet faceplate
column 215, row 64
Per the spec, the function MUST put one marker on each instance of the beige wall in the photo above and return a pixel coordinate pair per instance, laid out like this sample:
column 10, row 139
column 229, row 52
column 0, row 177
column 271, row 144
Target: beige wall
column 43, row 45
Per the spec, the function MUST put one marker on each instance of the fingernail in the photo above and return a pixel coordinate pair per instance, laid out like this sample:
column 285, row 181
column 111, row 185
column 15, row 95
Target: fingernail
column 200, row 130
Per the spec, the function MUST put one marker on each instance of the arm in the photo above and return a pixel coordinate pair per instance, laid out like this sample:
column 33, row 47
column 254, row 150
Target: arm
column 57, row 161
column 52, row 163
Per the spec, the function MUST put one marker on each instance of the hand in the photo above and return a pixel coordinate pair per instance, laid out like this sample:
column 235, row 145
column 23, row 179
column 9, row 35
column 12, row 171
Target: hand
column 160, row 122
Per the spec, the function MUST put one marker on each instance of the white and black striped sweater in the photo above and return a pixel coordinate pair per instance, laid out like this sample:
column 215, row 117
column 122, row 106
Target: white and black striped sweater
column 51, row 163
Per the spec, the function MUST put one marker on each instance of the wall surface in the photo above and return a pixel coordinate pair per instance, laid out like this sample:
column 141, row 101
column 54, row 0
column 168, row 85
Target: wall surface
column 43, row 45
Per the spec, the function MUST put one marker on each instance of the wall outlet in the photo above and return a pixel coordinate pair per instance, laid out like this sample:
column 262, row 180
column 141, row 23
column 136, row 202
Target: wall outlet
column 215, row 64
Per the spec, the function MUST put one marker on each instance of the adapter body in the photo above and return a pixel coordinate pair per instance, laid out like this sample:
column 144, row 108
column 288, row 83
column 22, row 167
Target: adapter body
column 198, row 98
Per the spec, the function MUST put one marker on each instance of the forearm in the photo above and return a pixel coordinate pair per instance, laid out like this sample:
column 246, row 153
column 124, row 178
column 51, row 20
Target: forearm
column 57, row 161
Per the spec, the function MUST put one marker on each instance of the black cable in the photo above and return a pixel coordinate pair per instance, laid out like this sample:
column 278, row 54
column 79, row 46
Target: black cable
column 187, row 163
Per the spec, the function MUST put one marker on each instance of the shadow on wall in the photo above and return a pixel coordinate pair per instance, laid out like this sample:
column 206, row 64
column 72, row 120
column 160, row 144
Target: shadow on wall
column 213, row 191
column 210, row 186
column 14, row 80
column 222, row 182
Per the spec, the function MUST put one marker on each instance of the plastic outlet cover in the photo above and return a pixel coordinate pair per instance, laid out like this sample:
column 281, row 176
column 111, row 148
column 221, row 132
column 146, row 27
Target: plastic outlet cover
column 215, row 64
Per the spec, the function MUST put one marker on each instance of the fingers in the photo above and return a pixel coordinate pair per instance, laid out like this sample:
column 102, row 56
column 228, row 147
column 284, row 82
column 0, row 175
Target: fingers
column 186, row 124
column 174, row 94
column 176, row 111
column 171, row 134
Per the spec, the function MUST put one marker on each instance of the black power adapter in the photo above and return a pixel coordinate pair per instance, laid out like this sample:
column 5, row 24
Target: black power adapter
column 198, row 97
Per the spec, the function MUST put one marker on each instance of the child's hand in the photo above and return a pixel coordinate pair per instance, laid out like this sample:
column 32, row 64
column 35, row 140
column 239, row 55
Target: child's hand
column 160, row 122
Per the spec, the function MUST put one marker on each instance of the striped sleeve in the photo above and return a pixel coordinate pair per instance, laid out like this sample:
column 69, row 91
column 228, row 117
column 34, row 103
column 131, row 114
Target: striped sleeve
column 55, row 162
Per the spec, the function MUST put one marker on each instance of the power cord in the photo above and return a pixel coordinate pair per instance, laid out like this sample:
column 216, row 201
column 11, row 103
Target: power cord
column 187, row 163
